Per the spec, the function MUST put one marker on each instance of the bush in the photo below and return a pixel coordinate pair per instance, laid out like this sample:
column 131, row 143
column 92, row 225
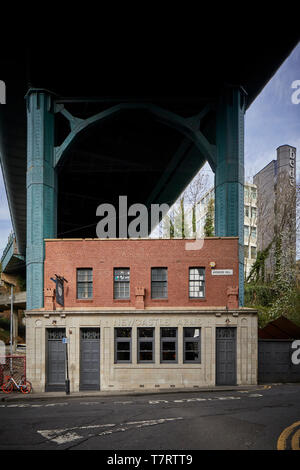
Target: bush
column 256, row 294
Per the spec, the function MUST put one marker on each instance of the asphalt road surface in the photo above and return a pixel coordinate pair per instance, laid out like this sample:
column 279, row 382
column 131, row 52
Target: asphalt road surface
column 262, row 419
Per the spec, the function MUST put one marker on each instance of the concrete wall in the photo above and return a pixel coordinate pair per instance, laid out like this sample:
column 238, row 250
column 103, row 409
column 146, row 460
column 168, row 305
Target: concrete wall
column 135, row 376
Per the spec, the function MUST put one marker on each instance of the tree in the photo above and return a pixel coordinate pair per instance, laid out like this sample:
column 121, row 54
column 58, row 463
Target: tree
column 209, row 221
column 180, row 222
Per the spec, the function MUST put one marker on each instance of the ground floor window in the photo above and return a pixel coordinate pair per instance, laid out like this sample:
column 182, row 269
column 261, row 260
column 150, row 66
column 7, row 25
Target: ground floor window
column 191, row 345
column 122, row 345
column 145, row 344
column 168, row 345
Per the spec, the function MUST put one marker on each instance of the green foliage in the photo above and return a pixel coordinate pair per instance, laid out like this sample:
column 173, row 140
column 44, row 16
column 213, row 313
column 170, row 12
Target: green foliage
column 5, row 323
column 4, row 336
column 209, row 220
column 271, row 303
column 256, row 294
column 21, row 281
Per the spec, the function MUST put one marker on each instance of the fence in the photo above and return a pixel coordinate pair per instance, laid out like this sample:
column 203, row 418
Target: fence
column 12, row 365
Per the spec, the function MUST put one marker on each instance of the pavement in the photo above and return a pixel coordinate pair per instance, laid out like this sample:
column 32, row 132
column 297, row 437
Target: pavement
column 85, row 394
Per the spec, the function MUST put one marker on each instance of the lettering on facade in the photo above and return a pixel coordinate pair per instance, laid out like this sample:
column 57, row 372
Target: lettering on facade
column 152, row 322
column 292, row 167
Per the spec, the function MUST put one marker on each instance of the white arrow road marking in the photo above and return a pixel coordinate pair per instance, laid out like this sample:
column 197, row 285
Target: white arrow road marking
column 62, row 436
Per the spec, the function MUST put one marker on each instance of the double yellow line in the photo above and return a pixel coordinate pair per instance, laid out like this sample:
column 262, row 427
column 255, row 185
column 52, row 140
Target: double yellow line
column 286, row 434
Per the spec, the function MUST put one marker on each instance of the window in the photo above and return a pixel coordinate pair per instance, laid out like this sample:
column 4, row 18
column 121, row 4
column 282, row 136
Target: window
column 253, row 212
column 246, row 251
column 159, row 283
column 121, row 283
column 168, row 345
column 246, row 211
column 122, row 345
column 253, row 232
column 253, row 252
column 145, row 344
column 191, row 345
column 253, row 193
column 246, row 230
column 196, row 282
column 84, row 283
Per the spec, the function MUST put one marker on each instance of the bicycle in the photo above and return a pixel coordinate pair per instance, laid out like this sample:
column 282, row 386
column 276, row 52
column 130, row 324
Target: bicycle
column 9, row 384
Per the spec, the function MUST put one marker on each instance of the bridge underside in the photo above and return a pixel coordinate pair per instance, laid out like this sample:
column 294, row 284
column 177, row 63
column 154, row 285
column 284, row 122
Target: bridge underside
column 133, row 153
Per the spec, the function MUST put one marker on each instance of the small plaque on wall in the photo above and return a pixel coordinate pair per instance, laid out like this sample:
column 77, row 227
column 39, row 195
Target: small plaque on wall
column 222, row 272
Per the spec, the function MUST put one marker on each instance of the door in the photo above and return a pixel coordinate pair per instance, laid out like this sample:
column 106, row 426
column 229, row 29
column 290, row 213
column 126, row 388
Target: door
column 55, row 356
column 226, row 356
column 89, row 358
column 275, row 362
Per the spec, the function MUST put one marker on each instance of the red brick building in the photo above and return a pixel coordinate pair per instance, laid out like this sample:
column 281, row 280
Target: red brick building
column 142, row 313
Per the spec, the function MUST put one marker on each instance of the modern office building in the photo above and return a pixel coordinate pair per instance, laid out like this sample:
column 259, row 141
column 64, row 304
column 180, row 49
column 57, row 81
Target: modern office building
column 250, row 219
column 276, row 209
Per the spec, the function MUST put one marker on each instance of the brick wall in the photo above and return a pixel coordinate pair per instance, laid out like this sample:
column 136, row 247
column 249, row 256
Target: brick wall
column 63, row 257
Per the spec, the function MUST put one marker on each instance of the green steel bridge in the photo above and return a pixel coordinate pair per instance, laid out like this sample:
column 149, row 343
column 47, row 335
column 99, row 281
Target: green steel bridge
column 80, row 128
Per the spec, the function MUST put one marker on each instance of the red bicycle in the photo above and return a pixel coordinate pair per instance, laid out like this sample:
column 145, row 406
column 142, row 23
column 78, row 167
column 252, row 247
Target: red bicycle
column 9, row 384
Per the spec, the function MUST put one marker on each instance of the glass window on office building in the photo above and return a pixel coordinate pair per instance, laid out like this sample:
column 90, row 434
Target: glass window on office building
column 253, row 252
column 246, row 211
column 84, row 283
column 253, row 232
column 246, row 231
column 246, row 251
column 121, row 283
column 253, row 212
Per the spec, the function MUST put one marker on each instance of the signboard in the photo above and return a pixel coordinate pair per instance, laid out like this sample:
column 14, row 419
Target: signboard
column 65, row 340
column 60, row 291
column 222, row 272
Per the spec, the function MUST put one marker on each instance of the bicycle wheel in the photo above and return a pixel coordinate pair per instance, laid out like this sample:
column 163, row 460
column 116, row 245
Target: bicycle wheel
column 7, row 387
column 26, row 387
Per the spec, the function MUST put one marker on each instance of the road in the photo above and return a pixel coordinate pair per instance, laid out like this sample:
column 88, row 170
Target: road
column 256, row 419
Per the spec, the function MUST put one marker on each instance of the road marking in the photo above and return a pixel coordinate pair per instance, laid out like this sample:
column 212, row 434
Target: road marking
column 150, row 402
column 286, row 433
column 188, row 400
column 63, row 436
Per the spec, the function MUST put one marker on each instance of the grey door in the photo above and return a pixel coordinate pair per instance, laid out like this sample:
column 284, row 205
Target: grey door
column 274, row 362
column 89, row 358
column 55, row 357
column 226, row 356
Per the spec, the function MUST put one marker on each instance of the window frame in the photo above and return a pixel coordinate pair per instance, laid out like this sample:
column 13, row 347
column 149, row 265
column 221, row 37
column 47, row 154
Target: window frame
column 118, row 340
column 120, row 282
column 189, row 339
column 195, row 280
column 145, row 340
column 160, row 281
column 168, row 339
column 84, row 282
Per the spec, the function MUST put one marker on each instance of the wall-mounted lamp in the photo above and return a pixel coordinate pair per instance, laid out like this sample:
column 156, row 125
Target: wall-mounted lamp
column 53, row 322
column 212, row 264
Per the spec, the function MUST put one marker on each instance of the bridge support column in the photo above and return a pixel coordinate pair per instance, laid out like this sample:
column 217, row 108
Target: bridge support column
column 229, row 175
column 41, row 190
